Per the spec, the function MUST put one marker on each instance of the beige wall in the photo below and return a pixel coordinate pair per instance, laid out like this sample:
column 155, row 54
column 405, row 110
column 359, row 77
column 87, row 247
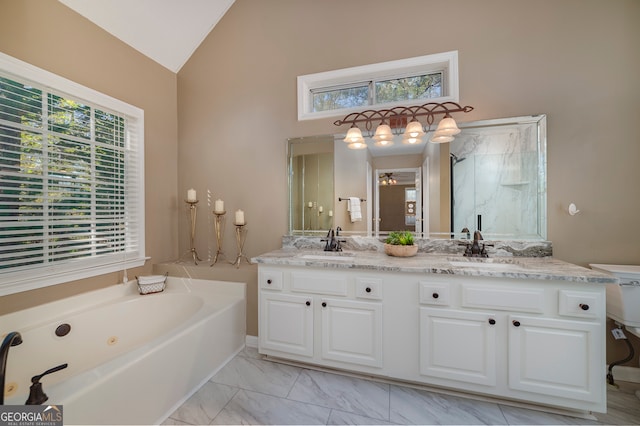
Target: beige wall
column 575, row 60
column 47, row 34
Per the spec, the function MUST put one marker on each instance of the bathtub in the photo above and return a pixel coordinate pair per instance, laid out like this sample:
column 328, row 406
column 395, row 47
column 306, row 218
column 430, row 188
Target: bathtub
column 132, row 359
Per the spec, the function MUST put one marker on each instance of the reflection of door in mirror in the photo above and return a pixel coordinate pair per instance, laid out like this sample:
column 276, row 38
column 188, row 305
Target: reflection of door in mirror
column 398, row 206
column 311, row 185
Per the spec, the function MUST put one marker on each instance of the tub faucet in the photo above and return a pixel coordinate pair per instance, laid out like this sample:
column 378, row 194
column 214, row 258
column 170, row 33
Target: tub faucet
column 36, row 394
column 12, row 339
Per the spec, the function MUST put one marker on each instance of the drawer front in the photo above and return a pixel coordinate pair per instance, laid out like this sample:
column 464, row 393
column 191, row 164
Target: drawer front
column 581, row 304
column 435, row 293
column 271, row 279
column 522, row 299
column 319, row 283
column 369, row 288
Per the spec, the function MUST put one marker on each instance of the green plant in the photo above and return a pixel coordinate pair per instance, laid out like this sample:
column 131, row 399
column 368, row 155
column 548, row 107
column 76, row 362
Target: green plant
column 400, row 238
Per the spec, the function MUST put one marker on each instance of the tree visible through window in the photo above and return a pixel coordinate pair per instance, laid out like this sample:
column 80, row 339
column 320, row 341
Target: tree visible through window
column 64, row 175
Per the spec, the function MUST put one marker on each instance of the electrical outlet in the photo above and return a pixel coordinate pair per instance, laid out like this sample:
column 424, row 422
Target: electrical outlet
column 618, row 334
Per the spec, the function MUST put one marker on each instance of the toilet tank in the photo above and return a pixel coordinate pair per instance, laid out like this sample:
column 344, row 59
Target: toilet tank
column 623, row 298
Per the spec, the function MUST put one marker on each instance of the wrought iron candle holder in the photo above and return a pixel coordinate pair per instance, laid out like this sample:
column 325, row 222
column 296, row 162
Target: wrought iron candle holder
column 193, row 212
column 219, row 228
column 241, row 236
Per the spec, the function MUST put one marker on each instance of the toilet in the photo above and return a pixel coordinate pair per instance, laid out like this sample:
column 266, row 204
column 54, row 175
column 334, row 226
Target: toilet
column 623, row 298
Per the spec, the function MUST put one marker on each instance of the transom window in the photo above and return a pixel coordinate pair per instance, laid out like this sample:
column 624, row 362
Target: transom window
column 407, row 82
column 71, row 184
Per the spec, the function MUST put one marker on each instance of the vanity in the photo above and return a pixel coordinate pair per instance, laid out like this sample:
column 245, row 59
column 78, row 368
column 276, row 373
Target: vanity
column 517, row 328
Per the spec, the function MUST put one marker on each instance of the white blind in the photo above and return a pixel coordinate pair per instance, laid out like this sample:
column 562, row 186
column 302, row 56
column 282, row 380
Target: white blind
column 71, row 193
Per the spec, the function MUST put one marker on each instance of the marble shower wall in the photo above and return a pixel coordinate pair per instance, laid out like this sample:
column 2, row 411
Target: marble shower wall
column 495, row 175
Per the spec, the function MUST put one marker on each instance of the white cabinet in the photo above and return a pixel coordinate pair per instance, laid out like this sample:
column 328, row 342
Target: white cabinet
column 555, row 357
column 458, row 345
column 286, row 323
column 537, row 341
column 299, row 322
column 352, row 331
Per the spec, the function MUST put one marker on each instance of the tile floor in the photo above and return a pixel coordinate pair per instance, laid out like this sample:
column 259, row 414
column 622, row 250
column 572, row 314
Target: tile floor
column 250, row 390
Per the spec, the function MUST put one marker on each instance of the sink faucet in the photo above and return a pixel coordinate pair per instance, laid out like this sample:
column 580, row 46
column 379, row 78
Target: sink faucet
column 333, row 244
column 12, row 339
column 474, row 250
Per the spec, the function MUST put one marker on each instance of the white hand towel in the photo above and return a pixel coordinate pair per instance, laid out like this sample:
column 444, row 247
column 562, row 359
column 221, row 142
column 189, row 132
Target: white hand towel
column 353, row 206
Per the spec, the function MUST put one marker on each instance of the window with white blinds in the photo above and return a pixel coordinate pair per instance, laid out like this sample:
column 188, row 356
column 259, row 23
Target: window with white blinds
column 71, row 180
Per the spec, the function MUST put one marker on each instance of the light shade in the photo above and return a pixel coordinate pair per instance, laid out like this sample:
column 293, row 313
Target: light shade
column 357, row 145
column 441, row 138
column 354, row 135
column 447, row 126
column 383, row 136
column 414, row 130
column 411, row 141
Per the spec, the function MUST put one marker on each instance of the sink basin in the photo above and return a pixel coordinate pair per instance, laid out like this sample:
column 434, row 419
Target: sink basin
column 329, row 256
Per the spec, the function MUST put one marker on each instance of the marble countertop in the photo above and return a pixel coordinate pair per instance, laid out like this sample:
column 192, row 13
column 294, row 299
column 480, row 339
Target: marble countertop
column 539, row 268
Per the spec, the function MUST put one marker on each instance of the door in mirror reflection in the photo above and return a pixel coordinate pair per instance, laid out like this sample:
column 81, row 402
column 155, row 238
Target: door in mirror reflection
column 398, row 205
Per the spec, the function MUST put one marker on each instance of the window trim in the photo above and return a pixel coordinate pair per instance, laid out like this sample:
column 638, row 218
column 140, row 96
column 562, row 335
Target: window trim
column 19, row 281
column 446, row 62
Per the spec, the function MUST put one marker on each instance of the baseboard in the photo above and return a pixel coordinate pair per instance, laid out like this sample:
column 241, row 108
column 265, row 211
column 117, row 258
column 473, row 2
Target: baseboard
column 625, row 373
column 251, row 341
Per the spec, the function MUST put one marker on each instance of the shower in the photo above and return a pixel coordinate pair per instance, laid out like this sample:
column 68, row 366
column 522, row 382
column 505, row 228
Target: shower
column 455, row 159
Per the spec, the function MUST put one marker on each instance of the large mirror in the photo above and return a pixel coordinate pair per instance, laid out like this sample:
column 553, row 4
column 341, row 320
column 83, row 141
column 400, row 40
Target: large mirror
column 492, row 177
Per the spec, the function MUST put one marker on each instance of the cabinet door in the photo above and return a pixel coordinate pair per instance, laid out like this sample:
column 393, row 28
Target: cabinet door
column 352, row 331
column 556, row 357
column 458, row 345
column 286, row 323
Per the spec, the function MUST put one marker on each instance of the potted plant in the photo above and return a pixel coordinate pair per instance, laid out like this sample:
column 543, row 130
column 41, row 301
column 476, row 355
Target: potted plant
column 400, row 243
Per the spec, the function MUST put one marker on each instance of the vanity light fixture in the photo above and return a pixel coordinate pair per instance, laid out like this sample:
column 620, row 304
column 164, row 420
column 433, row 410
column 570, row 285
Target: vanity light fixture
column 399, row 117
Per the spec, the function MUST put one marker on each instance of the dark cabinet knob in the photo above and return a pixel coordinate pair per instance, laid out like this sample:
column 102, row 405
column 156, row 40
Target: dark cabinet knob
column 584, row 306
column 435, row 295
column 492, row 321
column 516, row 323
column 368, row 289
column 324, row 304
column 308, row 303
column 269, row 281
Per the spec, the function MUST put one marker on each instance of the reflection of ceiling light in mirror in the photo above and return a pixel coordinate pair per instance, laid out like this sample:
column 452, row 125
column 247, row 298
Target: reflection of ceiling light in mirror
column 411, row 141
column 354, row 135
column 357, row 145
column 447, row 127
column 441, row 138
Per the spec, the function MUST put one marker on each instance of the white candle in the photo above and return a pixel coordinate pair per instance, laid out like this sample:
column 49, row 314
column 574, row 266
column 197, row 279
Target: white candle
column 239, row 217
column 218, row 206
column 191, row 195
column 320, row 209
column 310, row 204
column 330, row 213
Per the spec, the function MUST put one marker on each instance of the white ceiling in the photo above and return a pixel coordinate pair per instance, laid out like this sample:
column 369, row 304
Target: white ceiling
column 167, row 31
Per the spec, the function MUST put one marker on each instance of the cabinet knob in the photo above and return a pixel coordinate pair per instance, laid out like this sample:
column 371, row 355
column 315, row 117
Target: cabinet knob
column 324, row 304
column 492, row 321
column 308, row 303
column 584, row 306
column 435, row 295
column 368, row 289
column 269, row 281
column 516, row 323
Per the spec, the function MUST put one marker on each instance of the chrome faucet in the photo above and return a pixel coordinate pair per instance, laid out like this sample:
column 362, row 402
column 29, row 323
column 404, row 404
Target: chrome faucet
column 12, row 339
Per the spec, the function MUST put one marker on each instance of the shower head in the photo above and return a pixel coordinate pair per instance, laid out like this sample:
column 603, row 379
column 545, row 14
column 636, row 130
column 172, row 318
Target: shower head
column 455, row 160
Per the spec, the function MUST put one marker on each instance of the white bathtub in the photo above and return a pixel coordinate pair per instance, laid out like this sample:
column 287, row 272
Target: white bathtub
column 132, row 359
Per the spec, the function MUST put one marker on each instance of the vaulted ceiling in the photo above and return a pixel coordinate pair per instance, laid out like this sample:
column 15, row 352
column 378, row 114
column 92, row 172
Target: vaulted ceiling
column 167, row 31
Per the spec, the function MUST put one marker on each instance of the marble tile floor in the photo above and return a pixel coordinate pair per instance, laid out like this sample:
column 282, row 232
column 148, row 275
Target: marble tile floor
column 250, row 390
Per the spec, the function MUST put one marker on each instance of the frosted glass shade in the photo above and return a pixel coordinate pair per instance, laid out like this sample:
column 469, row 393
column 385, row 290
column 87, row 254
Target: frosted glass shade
column 383, row 136
column 447, row 126
column 414, row 130
column 354, row 135
column 357, row 145
column 441, row 138
column 411, row 141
